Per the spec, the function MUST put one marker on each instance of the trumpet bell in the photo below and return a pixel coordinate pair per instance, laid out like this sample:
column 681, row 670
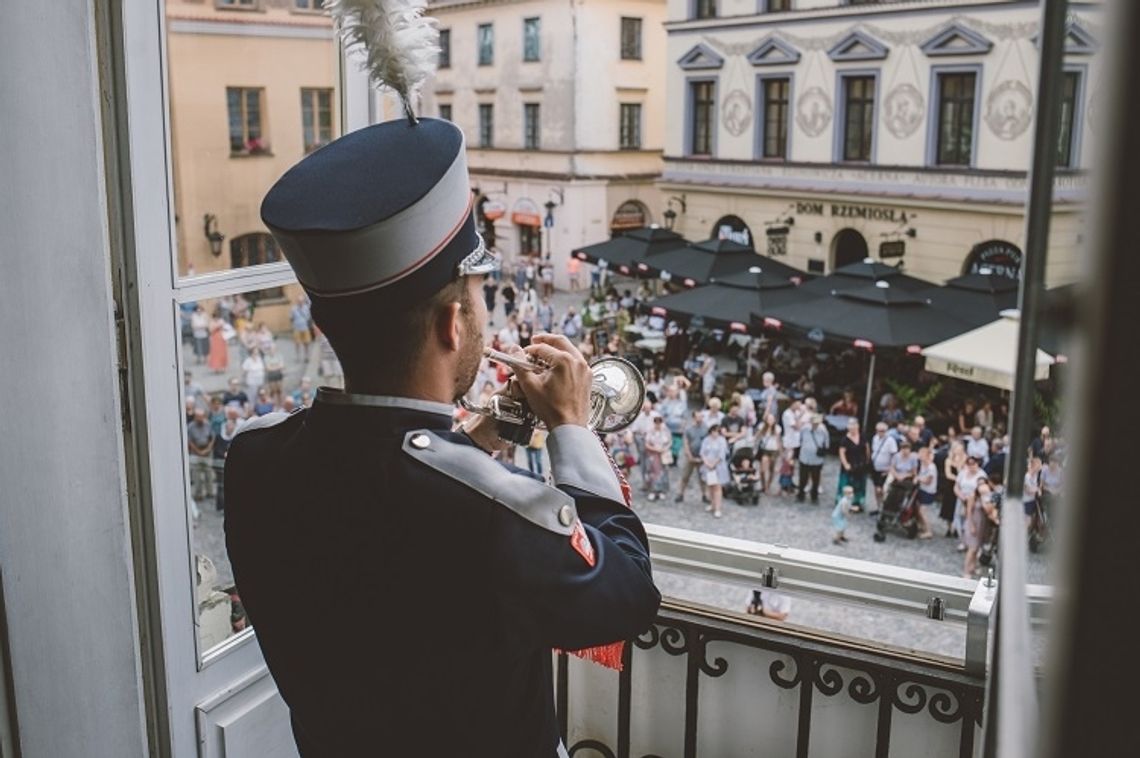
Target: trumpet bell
column 617, row 395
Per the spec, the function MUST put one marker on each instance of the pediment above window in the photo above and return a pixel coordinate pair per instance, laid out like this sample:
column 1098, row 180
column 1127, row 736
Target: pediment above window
column 957, row 39
column 701, row 58
column 773, row 51
column 858, row 46
column 1078, row 40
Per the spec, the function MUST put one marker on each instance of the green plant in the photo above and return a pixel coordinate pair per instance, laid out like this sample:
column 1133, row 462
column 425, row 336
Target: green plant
column 1049, row 412
column 914, row 401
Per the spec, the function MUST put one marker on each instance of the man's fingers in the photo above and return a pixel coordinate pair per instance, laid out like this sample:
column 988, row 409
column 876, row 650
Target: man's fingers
column 561, row 341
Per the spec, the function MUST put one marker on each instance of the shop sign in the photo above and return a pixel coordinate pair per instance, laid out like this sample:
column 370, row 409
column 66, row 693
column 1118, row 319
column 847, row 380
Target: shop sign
column 844, row 210
column 999, row 256
column 733, row 228
column 892, row 249
column 777, row 240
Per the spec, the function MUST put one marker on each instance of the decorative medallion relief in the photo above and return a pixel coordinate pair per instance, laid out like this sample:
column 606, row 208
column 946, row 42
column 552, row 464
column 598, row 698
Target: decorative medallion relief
column 813, row 111
column 736, row 113
column 903, row 110
column 1009, row 109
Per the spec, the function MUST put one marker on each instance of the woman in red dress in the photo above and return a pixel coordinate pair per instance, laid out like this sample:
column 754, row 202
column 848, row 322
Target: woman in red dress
column 219, row 357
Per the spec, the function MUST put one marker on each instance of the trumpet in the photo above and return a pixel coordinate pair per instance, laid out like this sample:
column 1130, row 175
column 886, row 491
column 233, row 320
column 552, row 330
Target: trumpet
column 616, row 396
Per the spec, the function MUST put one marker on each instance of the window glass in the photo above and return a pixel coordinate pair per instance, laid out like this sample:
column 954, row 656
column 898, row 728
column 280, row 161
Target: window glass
column 704, row 9
column 532, row 44
column 630, row 138
column 775, row 118
column 703, row 118
column 486, row 34
column 1070, row 87
column 630, row 38
column 859, row 117
column 773, row 6
column 955, row 119
column 445, row 111
column 486, row 125
column 445, row 48
column 242, row 356
column 531, row 126
column 270, row 89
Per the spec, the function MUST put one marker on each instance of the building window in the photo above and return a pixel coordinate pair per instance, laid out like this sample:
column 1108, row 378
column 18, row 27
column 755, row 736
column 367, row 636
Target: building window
column 531, row 126
column 316, row 117
column 630, row 39
column 253, row 250
column 445, row 111
column 775, row 6
column 775, row 125
column 247, row 134
column 532, row 44
column 704, row 9
column 237, row 4
column 312, row 6
column 486, row 44
column 630, row 138
column 955, row 140
column 445, row 48
column 703, row 114
column 1067, row 144
column 858, row 117
column 486, row 125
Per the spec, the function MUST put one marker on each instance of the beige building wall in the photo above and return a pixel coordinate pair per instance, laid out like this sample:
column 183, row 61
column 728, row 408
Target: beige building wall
column 950, row 209
column 212, row 48
column 579, row 83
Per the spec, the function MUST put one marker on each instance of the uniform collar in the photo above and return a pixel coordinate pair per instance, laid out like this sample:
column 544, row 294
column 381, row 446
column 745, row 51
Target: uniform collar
column 330, row 396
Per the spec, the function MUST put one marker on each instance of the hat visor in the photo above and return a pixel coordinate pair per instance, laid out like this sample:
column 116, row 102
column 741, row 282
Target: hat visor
column 480, row 261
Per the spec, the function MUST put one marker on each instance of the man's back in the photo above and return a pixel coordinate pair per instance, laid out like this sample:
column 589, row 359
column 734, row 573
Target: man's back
column 401, row 611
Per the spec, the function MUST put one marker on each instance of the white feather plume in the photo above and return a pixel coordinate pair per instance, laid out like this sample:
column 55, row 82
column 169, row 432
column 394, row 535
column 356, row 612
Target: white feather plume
column 402, row 45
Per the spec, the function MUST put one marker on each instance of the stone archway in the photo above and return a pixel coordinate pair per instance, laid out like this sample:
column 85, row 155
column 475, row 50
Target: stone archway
column 848, row 246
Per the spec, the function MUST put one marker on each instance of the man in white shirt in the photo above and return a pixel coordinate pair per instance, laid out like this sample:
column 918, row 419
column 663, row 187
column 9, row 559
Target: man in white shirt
column 883, row 449
column 793, row 422
column 978, row 446
column 509, row 334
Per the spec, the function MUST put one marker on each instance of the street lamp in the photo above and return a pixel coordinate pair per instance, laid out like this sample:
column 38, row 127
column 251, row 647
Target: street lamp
column 213, row 236
column 670, row 215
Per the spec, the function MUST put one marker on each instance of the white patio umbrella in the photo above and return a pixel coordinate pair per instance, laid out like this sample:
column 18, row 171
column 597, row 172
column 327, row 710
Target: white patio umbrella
column 986, row 355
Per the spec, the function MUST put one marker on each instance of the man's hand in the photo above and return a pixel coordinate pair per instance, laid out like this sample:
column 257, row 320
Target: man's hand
column 561, row 393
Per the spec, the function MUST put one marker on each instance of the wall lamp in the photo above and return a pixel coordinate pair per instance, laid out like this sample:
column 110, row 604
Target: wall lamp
column 213, row 236
column 670, row 215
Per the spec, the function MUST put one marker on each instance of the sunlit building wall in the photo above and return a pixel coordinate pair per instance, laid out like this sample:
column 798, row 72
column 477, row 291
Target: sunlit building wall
column 820, row 130
column 562, row 103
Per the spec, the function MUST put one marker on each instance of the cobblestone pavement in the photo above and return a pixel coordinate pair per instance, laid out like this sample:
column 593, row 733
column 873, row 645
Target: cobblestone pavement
column 776, row 520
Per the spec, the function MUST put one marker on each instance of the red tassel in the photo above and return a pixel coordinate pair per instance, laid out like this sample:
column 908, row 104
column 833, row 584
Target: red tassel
column 609, row 655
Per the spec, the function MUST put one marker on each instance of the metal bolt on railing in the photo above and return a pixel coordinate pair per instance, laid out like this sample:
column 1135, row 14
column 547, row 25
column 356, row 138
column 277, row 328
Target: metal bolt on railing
column 936, row 609
column 769, row 579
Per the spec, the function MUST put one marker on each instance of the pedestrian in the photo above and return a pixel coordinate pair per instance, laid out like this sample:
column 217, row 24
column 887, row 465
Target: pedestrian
column 927, row 479
column 574, row 273
column 490, row 290
column 846, row 405
column 200, row 331
column 714, row 468
column 1031, row 490
column 979, row 507
column 787, row 472
column 954, row 463
column 545, row 315
column 673, row 408
column 571, row 323
column 693, row 435
column 792, row 422
column 839, row 514
column 707, row 373
column 221, row 446
column 814, row 441
column 274, row 373
column 509, row 334
column 253, row 368
column 770, row 443
column 200, row 442
column 218, row 351
column 509, row 294
column 300, row 316
column 534, row 450
column 964, row 488
column 546, row 275
column 883, row 449
column 659, row 452
column 641, row 427
column 420, row 509
column 854, row 454
column 978, row 446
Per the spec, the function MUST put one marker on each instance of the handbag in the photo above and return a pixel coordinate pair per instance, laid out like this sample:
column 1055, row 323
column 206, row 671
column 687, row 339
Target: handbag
column 667, row 457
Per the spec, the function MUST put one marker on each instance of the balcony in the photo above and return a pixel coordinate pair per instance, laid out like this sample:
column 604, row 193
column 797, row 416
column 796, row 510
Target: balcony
column 706, row 681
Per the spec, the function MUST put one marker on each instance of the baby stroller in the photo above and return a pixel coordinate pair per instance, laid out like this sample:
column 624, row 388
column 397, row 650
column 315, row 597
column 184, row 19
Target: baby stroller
column 899, row 510
column 744, row 476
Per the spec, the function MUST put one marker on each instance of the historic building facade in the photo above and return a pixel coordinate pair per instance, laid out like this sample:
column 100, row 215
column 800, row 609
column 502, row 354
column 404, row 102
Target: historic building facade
column 828, row 131
column 563, row 106
column 253, row 87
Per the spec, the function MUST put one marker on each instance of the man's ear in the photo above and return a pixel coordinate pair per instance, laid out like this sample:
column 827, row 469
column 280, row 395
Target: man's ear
column 449, row 326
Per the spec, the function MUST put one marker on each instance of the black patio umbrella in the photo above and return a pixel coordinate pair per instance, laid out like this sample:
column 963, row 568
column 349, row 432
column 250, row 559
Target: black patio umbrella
column 976, row 298
column 623, row 253
column 861, row 274
column 709, row 261
column 875, row 317
column 728, row 306
column 771, row 269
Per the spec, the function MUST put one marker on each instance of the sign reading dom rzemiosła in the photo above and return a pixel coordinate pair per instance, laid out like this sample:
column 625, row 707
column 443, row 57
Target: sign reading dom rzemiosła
column 845, row 210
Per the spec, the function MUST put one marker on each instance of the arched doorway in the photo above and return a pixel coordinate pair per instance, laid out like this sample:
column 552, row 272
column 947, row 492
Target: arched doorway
column 630, row 215
column 732, row 228
column 994, row 256
column 849, row 246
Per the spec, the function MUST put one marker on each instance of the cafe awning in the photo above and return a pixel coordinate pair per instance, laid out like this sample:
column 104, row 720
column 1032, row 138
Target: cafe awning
column 623, row 253
column 986, row 355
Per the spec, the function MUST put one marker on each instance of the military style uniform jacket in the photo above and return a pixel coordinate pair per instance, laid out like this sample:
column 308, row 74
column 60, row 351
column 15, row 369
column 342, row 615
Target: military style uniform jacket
column 406, row 588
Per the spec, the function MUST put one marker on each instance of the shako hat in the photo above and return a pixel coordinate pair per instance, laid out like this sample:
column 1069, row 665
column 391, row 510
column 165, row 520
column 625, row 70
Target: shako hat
column 385, row 209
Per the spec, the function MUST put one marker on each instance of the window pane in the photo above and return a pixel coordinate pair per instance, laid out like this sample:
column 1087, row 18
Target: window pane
column 444, row 48
column 1070, row 87
column 486, row 44
column 531, row 42
column 242, row 356
column 271, row 94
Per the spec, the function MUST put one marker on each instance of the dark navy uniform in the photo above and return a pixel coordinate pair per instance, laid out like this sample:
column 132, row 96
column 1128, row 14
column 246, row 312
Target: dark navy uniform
column 407, row 589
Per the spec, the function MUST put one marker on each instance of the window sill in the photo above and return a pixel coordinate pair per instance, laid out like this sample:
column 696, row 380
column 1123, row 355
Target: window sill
column 635, row 58
column 258, row 154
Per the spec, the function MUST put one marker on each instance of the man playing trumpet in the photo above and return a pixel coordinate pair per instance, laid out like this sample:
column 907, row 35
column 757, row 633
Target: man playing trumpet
column 452, row 576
